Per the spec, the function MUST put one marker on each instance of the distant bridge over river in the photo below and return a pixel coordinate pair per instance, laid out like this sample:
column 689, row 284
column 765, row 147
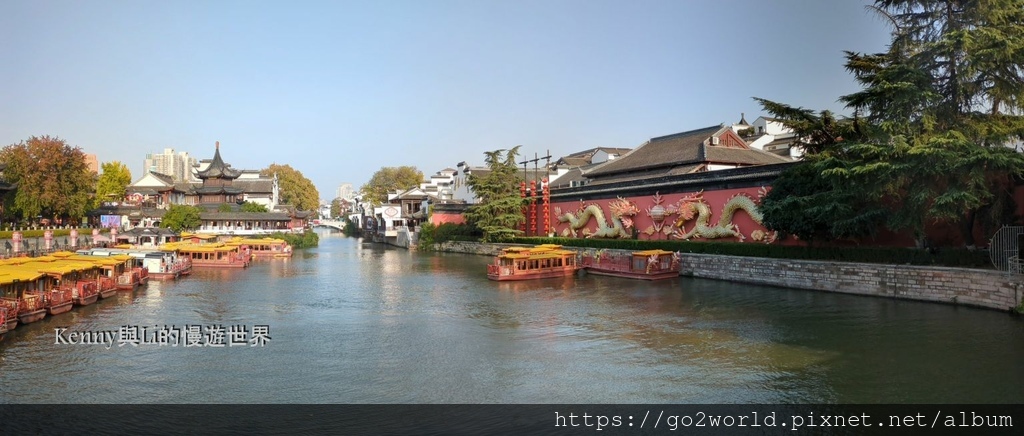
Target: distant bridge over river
column 334, row 224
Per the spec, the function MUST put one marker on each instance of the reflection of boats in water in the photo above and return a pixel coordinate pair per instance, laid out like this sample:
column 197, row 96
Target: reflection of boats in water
column 644, row 265
column 527, row 263
column 556, row 285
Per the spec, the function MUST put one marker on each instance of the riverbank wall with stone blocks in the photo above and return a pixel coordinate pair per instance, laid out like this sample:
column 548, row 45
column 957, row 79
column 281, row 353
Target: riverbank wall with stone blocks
column 969, row 287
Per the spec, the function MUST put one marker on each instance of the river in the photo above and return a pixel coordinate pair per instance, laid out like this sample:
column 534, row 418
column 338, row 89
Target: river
column 355, row 323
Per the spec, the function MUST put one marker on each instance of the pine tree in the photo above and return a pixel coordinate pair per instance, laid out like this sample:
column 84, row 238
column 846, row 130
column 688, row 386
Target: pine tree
column 940, row 108
column 500, row 208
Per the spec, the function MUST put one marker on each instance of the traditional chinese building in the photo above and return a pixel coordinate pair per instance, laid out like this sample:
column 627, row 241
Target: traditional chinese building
column 217, row 181
column 696, row 185
column 708, row 149
column 219, row 185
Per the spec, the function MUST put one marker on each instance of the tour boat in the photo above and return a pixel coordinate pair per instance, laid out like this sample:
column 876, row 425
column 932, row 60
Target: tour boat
column 109, row 269
column 131, row 276
column 78, row 278
column 20, row 285
column 9, row 306
column 166, row 265
column 128, row 281
column 216, row 255
column 3, row 322
column 58, row 301
column 264, row 247
column 526, row 263
column 644, row 265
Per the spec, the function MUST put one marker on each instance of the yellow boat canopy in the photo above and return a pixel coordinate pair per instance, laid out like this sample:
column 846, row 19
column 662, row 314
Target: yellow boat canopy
column 98, row 260
column 65, row 267
column 14, row 274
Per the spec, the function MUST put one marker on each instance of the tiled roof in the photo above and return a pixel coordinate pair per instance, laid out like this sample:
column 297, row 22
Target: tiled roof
column 252, row 186
column 208, row 190
column 148, row 231
column 661, row 151
column 681, row 150
column 574, row 161
column 169, row 180
column 218, row 169
column 584, row 157
column 567, row 179
column 130, row 211
column 741, row 156
column 245, row 216
column 649, row 174
column 573, row 175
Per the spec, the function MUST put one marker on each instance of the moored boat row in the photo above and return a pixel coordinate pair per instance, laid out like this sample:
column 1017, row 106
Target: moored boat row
column 32, row 288
column 548, row 260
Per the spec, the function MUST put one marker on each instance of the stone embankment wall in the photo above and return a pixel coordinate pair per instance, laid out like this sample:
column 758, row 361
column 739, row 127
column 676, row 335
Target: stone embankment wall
column 969, row 287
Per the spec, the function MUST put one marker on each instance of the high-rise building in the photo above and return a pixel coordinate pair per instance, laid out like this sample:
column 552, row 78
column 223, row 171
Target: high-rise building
column 345, row 191
column 177, row 165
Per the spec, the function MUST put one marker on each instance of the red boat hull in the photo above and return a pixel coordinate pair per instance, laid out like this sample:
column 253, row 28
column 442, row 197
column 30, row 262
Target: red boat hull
column 33, row 316
column 58, row 309
column 87, row 300
column 660, row 275
column 164, row 276
column 534, row 274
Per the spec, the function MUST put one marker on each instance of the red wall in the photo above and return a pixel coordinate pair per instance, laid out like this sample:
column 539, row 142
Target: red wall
column 438, row 218
column 642, row 221
column 939, row 234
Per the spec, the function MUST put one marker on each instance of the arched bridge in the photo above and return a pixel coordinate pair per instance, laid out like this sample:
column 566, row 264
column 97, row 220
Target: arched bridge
column 334, row 224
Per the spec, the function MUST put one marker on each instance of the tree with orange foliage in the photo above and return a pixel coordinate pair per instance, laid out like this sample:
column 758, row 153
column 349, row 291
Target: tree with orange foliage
column 52, row 178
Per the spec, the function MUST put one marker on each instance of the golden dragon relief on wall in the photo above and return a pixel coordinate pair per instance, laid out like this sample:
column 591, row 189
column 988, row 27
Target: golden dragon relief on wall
column 691, row 207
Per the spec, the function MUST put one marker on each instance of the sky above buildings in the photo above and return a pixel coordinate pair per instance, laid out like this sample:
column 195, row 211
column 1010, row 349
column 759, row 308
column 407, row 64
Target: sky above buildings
column 339, row 89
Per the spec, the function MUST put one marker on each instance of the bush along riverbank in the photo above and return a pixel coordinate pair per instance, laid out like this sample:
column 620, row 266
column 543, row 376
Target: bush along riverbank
column 305, row 239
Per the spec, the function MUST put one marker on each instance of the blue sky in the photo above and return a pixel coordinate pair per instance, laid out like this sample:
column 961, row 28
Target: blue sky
column 339, row 89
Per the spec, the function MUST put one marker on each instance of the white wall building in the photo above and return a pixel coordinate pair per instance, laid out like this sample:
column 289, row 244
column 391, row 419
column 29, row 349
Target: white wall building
column 771, row 135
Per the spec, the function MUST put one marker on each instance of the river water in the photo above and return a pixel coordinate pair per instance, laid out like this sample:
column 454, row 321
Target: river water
column 354, row 323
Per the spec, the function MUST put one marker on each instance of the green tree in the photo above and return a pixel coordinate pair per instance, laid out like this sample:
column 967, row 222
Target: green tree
column 52, row 178
column 389, row 179
column 500, row 208
column 336, row 210
column 295, row 189
column 250, row 206
column 113, row 183
column 224, row 207
column 939, row 108
column 951, row 87
column 180, row 217
column 814, row 199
